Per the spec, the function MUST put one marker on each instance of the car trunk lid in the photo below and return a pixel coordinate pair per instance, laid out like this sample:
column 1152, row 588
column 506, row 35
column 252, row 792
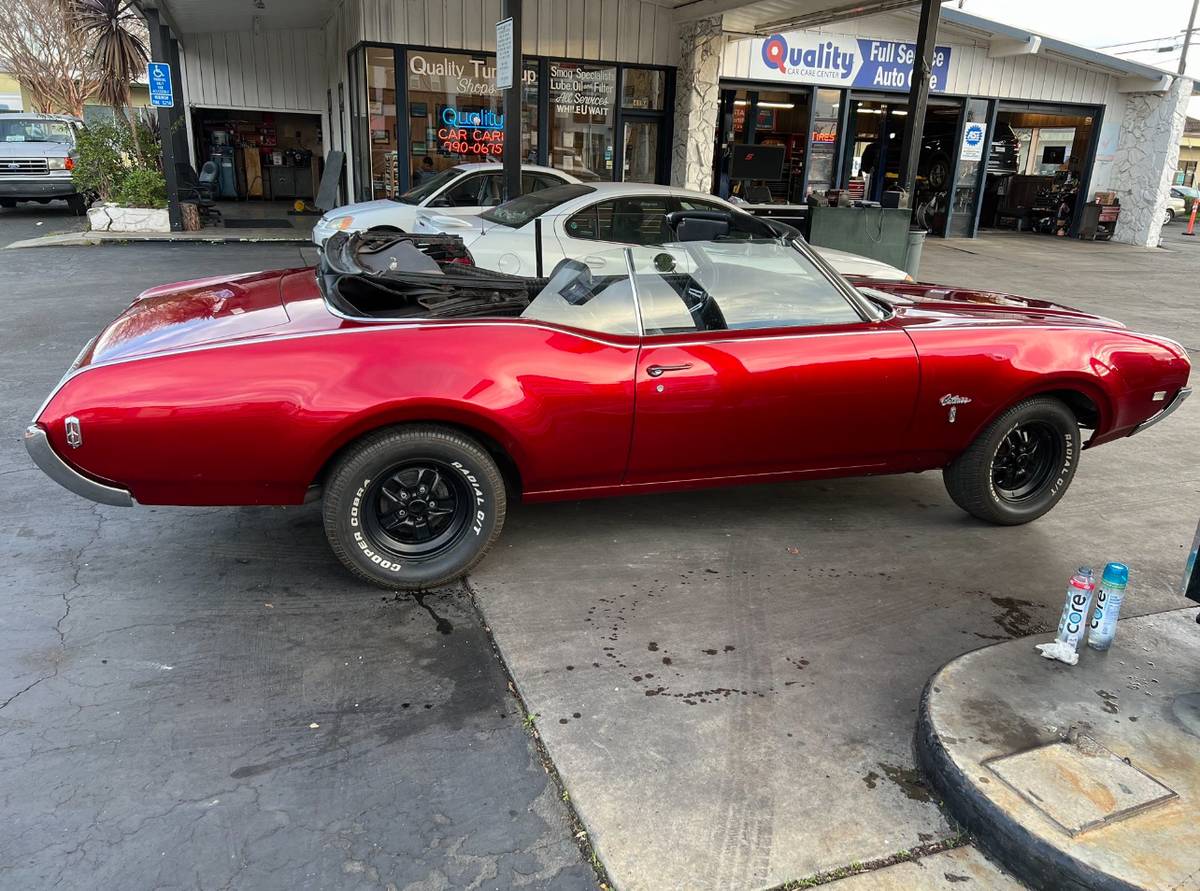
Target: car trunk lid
column 193, row 313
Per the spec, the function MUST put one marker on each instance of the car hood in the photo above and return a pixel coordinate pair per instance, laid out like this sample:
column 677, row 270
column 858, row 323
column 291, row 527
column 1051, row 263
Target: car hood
column 191, row 313
column 857, row 265
column 32, row 150
column 383, row 212
column 469, row 227
column 927, row 302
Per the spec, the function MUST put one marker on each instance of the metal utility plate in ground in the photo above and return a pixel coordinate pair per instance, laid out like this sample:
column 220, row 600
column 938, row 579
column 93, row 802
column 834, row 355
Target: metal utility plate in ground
column 264, row 223
column 1079, row 785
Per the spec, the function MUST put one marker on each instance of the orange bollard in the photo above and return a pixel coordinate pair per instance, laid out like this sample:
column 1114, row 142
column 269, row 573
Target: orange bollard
column 1191, row 229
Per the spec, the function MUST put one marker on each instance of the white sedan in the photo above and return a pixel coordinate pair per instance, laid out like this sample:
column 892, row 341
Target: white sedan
column 591, row 222
column 462, row 189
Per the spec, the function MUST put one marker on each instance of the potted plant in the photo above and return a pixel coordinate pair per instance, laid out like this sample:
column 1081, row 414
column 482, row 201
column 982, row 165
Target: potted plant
column 118, row 167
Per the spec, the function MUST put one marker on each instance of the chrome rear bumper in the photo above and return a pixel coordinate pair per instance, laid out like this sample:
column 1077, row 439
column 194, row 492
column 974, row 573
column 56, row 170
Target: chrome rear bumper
column 44, row 456
column 1183, row 394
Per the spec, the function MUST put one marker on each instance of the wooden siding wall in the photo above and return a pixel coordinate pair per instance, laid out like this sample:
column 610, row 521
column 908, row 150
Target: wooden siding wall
column 633, row 31
column 279, row 70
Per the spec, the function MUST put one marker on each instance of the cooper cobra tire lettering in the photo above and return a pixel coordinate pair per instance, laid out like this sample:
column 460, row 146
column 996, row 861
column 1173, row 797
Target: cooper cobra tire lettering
column 349, row 512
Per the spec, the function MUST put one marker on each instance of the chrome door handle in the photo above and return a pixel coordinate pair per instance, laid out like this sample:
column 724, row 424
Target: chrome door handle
column 660, row 370
column 593, row 260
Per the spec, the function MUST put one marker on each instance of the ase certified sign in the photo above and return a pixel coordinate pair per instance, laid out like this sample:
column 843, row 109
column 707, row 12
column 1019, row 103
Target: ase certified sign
column 972, row 144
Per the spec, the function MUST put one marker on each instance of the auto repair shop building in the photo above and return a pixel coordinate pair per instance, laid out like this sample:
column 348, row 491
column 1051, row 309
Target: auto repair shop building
column 645, row 90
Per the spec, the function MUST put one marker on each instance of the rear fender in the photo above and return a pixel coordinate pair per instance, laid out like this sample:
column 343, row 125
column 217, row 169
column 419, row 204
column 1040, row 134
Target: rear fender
column 490, row 433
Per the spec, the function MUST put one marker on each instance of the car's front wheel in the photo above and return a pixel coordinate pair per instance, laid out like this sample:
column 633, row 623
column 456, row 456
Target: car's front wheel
column 410, row 508
column 1020, row 466
column 1168, row 216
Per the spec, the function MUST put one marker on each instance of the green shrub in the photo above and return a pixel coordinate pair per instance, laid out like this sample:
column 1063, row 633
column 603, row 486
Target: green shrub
column 119, row 167
column 141, row 187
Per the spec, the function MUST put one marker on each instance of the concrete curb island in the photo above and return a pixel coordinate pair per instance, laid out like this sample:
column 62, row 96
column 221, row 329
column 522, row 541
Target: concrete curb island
column 1000, row 730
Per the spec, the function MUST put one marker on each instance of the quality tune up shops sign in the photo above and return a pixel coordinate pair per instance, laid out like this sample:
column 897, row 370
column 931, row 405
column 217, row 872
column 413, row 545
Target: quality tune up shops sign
column 836, row 61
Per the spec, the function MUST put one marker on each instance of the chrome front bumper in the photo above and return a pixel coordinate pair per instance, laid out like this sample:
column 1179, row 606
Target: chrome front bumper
column 44, row 456
column 1183, row 394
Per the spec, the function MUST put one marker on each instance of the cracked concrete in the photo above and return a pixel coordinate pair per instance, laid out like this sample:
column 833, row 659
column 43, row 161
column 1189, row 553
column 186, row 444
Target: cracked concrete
column 161, row 669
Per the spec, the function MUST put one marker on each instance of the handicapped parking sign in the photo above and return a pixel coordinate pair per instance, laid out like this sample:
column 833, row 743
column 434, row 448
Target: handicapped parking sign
column 162, row 94
column 972, row 144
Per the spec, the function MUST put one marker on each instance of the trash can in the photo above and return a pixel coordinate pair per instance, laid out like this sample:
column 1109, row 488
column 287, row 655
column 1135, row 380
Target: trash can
column 916, row 243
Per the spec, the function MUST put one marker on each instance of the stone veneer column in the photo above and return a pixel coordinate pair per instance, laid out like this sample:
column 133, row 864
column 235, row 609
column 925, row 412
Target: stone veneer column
column 697, row 103
column 1145, row 161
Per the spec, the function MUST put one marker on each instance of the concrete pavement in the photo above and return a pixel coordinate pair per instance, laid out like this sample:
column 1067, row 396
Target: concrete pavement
column 204, row 698
column 728, row 680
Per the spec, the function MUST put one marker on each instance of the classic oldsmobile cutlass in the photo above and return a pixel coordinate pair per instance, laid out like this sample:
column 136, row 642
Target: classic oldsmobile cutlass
column 417, row 395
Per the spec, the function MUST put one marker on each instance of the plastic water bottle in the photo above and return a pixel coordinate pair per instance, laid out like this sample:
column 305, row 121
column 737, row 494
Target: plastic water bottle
column 1109, row 598
column 1073, row 624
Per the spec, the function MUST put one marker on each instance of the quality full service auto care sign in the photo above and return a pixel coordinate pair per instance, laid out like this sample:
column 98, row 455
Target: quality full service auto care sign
column 835, row 61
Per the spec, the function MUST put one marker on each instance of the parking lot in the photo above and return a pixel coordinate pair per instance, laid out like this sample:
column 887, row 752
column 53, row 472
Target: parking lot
column 726, row 681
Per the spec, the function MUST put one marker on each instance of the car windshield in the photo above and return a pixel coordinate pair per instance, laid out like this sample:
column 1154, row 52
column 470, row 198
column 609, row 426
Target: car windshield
column 36, row 130
column 429, row 186
column 684, row 287
column 519, row 211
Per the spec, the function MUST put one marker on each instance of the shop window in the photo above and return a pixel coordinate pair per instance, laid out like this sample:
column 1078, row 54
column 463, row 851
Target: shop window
column 821, row 165
column 382, row 145
column 643, row 89
column 641, row 150
column 582, row 116
column 765, row 117
column 456, row 114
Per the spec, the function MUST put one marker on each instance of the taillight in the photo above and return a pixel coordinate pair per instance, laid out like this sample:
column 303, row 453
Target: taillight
column 464, row 261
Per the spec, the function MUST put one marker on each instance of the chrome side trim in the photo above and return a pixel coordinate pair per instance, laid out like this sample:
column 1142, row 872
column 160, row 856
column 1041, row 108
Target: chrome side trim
column 1183, row 394
column 44, row 456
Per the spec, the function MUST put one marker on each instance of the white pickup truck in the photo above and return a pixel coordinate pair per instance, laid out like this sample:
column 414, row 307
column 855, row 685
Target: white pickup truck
column 37, row 154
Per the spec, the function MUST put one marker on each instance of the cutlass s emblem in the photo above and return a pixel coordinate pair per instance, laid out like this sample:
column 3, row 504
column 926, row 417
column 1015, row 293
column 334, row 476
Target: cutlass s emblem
column 953, row 402
column 74, row 433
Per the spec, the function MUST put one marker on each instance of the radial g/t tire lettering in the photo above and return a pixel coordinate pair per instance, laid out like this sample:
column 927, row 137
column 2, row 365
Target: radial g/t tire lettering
column 413, row 507
column 1020, row 466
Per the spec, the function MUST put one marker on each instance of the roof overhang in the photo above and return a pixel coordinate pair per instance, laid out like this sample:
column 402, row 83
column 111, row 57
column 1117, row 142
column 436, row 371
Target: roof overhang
column 1009, row 40
column 186, row 17
column 767, row 16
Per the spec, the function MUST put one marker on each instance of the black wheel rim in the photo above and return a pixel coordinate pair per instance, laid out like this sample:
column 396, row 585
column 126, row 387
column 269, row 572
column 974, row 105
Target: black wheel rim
column 1025, row 460
column 417, row 510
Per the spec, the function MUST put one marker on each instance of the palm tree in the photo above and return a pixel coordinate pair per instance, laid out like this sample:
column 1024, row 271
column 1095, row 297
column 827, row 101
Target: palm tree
column 119, row 54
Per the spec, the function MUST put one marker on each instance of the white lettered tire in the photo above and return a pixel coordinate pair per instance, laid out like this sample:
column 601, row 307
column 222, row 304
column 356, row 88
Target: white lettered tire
column 409, row 508
column 1020, row 466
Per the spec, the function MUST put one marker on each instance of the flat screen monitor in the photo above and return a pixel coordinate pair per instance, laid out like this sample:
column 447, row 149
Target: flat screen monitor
column 757, row 162
column 1054, row 154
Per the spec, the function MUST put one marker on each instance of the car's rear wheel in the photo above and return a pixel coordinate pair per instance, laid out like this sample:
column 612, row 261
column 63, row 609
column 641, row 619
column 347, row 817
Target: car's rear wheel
column 413, row 507
column 1020, row 466
column 1168, row 216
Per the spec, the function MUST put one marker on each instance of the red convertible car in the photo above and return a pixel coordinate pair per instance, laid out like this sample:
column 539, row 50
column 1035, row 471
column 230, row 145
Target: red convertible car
column 417, row 395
